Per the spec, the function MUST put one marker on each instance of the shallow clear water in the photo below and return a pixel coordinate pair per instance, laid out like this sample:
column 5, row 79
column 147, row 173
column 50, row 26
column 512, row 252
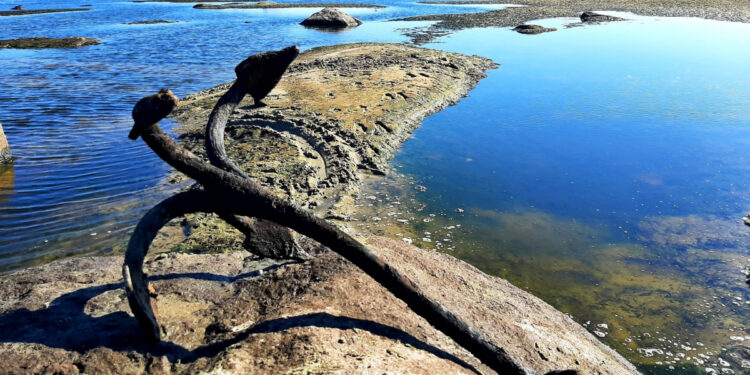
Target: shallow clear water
column 600, row 167
column 603, row 169
column 80, row 185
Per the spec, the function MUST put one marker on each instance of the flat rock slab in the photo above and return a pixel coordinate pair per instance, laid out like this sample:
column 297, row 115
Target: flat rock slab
column 43, row 42
column 337, row 115
column 26, row 12
column 331, row 18
column 272, row 5
column 533, row 29
column 223, row 315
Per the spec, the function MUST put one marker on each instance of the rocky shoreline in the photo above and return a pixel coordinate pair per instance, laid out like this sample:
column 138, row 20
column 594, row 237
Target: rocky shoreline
column 272, row 5
column 336, row 117
column 721, row 10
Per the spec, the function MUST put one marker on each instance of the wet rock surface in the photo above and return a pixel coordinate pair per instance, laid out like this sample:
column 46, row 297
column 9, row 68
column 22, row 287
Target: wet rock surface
column 532, row 29
column 44, row 42
column 230, row 313
column 26, row 12
column 5, row 153
column 331, row 18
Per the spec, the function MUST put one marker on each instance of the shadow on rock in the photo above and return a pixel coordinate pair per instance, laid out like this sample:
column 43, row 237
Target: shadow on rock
column 63, row 324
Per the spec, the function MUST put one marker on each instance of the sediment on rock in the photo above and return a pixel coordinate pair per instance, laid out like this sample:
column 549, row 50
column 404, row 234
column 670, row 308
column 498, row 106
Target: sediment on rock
column 44, row 42
column 229, row 312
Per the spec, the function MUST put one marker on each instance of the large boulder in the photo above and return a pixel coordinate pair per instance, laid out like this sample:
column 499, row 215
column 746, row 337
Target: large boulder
column 596, row 17
column 5, row 155
column 532, row 29
column 331, row 18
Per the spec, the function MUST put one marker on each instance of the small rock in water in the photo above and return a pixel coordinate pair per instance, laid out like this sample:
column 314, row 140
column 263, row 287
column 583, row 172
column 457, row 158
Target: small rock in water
column 420, row 188
column 460, row 210
column 596, row 17
column 18, row 7
column 746, row 220
column 331, row 18
column 532, row 29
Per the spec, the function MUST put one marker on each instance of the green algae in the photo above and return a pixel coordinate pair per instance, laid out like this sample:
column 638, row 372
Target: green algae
column 668, row 298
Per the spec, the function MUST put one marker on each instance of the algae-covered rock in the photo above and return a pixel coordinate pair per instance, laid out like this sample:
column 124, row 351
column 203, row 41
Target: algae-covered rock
column 331, row 18
column 44, row 42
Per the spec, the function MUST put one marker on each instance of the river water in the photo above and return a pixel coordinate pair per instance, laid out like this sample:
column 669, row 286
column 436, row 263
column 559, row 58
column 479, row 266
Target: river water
column 599, row 167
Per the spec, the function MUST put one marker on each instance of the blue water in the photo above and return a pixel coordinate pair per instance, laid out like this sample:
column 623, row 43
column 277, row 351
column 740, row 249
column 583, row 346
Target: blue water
column 600, row 167
column 604, row 169
column 79, row 185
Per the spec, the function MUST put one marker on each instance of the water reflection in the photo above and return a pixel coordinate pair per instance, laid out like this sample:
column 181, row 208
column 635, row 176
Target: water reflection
column 7, row 177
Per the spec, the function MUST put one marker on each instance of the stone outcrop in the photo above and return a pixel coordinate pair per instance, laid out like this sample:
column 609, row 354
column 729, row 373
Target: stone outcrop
column 331, row 18
column 532, row 29
column 44, row 42
column 229, row 313
column 5, row 155
column 596, row 17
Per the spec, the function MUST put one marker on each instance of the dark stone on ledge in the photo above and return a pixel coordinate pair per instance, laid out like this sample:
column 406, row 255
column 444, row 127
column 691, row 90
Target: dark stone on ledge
column 596, row 17
column 18, row 7
column 532, row 29
column 44, row 42
column 331, row 18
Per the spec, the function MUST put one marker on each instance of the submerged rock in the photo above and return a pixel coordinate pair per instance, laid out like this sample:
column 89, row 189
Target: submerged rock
column 44, row 42
column 5, row 155
column 532, row 29
column 596, row 17
column 331, row 18
column 150, row 22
